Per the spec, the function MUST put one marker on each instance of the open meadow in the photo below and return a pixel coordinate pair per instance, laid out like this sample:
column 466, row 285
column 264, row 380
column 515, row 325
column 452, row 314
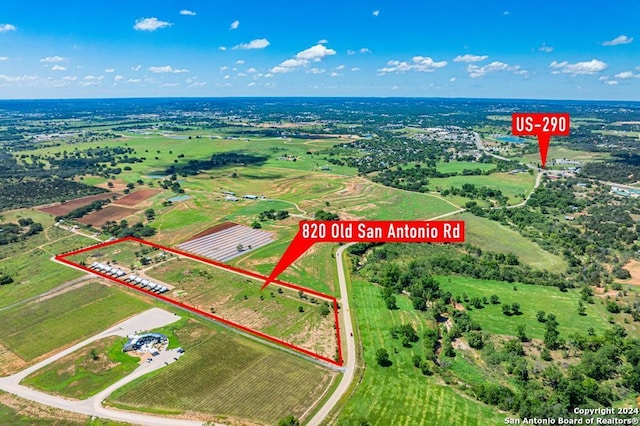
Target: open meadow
column 86, row 371
column 34, row 329
column 400, row 393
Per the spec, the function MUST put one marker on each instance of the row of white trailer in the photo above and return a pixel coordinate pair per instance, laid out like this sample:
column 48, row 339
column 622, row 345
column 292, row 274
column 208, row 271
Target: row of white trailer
column 133, row 279
column 143, row 282
column 109, row 270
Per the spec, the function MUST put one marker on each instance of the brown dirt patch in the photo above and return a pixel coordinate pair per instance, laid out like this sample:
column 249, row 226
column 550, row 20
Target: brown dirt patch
column 33, row 410
column 213, row 230
column 109, row 213
column 64, row 208
column 137, row 197
column 633, row 266
column 9, row 361
column 118, row 185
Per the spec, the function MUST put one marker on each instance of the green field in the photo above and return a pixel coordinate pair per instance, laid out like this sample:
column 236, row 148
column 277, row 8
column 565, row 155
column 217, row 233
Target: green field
column 512, row 186
column 227, row 376
column 80, row 376
column 493, row 236
column 459, row 166
column 36, row 328
column 532, row 299
column 28, row 262
column 400, row 394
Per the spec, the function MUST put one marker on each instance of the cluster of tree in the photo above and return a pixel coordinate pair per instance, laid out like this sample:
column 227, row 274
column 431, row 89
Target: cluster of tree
column 28, row 192
column 123, row 229
column 607, row 366
column 447, row 260
column 410, row 179
column 469, row 190
column 622, row 168
column 12, row 232
column 5, row 279
column 325, row 215
column 172, row 184
column 273, row 215
column 193, row 167
column 84, row 210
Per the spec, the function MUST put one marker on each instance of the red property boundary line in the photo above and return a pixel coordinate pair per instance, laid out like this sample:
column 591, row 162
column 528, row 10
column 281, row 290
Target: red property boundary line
column 340, row 362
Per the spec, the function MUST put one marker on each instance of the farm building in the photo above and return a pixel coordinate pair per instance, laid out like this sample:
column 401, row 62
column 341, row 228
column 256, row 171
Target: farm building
column 250, row 197
column 144, row 342
column 231, row 198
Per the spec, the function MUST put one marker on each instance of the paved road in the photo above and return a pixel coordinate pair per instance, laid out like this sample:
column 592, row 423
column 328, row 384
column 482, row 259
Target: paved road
column 153, row 318
column 350, row 347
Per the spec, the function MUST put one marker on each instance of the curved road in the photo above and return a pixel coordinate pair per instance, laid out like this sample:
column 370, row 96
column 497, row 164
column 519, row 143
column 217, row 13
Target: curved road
column 152, row 318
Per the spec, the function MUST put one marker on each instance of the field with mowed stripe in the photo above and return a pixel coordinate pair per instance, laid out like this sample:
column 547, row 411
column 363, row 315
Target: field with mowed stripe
column 37, row 328
column 227, row 376
column 400, row 394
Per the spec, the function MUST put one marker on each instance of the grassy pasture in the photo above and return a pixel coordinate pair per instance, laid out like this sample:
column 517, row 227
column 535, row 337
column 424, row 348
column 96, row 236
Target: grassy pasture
column 80, row 376
column 493, row 236
column 513, row 186
column 37, row 328
column 227, row 376
column 400, row 394
column 532, row 299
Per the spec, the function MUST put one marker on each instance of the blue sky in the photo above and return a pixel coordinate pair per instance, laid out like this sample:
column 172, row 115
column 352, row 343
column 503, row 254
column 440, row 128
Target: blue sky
column 496, row 49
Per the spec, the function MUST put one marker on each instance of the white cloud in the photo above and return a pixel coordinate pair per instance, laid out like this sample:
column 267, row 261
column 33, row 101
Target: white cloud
column 136, row 68
column 150, row 24
column 4, row 28
column 118, row 78
column 611, row 82
column 70, row 78
column 93, row 77
column 323, row 41
column 234, row 25
column 376, row 13
column 198, row 84
column 109, row 70
column 239, row 62
column 351, row 52
column 340, row 67
column 334, row 74
column 58, row 68
column 50, row 59
column 170, row 85
column 252, row 70
column 365, row 50
column 583, row 68
column 544, row 48
column 452, row 79
column 316, row 71
column 621, row 39
column 470, row 58
column 253, row 83
column 222, row 48
column 355, row 69
column 303, row 58
column 259, row 43
column 268, row 75
column 603, row 78
column 134, row 80
column 506, row 13
column 166, row 69
column 476, row 71
column 418, row 63
column 4, row 58
column 315, row 53
column 187, row 12
column 227, row 77
column 627, row 74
